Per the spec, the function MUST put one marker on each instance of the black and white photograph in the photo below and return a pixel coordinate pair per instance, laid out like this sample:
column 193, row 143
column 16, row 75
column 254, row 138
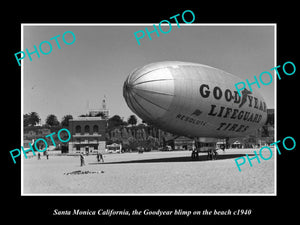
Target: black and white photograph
column 165, row 115
column 152, row 115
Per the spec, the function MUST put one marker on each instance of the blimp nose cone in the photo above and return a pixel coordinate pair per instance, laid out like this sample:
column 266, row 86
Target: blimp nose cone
column 149, row 92
column 127, row 88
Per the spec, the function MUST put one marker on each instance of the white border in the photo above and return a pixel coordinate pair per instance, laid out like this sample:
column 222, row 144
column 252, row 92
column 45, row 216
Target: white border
column 151, row 24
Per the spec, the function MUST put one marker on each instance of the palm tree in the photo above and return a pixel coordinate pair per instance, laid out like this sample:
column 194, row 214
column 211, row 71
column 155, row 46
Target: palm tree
column 114, row 122
column 132, row 120
column 31, row 119
column 52, row 120
column 65, row 120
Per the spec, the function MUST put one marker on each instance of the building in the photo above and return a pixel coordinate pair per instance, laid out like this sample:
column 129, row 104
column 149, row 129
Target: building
column 32, row 133
column 35, row 132
column 87, row 135
column 183, row 143
column 103, row 110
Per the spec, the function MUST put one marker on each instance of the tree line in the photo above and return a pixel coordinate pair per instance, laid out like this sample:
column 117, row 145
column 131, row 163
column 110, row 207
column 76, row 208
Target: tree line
column 33, row 119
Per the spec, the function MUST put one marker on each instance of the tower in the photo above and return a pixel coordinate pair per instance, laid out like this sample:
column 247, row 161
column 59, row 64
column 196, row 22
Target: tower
column 104, row 109
column 104, row 103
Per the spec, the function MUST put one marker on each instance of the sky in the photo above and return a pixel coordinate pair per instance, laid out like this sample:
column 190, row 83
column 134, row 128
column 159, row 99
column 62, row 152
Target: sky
column 76, row 77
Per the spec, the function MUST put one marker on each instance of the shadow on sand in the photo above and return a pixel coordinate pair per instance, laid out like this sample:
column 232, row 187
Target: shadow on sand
column 177, row 159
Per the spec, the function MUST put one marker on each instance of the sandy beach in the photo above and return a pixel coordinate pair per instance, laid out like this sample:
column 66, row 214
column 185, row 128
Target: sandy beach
column 163, row 173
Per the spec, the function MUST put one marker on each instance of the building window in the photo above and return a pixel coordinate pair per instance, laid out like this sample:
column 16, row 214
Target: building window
column 95, row 129
column 77, row 148
column 87, row 129
column 78, row 129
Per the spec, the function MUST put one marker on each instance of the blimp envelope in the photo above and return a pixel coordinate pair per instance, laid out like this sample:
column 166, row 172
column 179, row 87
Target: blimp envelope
column 193, row 100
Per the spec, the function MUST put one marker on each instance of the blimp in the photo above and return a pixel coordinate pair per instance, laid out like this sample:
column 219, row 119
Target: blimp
column 194, row 100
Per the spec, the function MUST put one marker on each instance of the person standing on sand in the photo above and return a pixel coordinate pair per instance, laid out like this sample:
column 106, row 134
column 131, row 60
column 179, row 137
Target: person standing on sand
column 82, row 163
column 100, row 157
column 47, row 154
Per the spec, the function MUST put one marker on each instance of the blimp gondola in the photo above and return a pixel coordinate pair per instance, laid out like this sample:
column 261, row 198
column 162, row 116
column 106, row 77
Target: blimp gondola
column 194, row 100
